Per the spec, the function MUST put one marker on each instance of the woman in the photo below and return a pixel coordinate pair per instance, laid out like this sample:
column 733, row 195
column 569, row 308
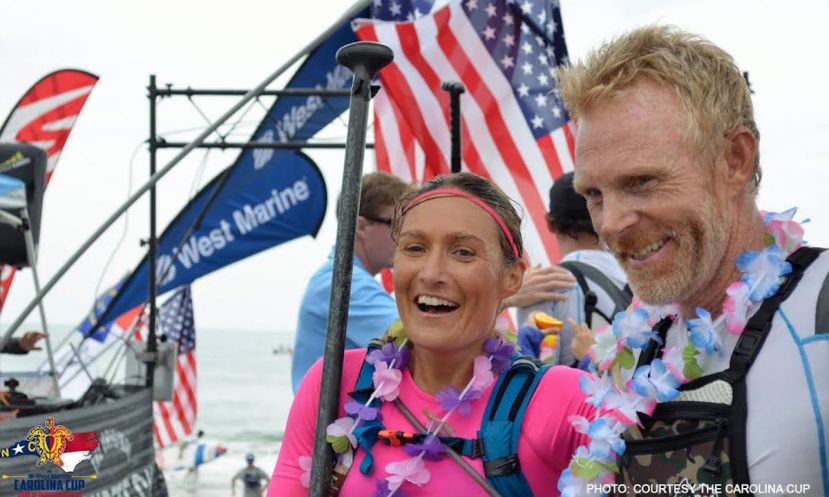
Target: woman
column 459, row 255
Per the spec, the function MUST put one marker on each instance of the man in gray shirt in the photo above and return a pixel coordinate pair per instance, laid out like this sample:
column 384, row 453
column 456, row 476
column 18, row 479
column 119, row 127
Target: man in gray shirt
column 251, row 477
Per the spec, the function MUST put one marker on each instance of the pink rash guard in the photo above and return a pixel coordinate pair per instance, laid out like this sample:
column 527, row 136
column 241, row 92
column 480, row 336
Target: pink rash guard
column 545, row 446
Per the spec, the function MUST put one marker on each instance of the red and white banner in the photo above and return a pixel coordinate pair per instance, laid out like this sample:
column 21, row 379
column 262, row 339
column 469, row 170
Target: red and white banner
column 44, row 117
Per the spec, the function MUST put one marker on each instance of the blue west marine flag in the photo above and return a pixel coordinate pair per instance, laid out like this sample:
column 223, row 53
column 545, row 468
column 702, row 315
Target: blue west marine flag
column 252, row 206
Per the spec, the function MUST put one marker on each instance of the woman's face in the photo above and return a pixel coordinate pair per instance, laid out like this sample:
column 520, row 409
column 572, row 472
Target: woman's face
column 449, row 274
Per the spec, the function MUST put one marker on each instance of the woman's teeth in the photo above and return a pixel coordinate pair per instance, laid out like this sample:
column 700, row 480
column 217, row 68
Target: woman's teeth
column 428, row 303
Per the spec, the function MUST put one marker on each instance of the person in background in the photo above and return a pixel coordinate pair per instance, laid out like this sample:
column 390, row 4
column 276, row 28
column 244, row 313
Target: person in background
column 251, row 477
column 22, row 345
column 371, row 309
column 569, row 221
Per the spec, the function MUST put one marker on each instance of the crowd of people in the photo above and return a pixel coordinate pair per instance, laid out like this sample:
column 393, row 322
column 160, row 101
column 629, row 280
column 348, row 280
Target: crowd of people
column 713, row 370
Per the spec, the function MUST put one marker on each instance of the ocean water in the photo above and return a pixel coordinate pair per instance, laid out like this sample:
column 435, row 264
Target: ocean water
column 244, row 394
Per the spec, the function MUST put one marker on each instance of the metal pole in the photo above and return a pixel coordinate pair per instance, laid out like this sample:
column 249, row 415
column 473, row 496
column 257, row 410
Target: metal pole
column 364, row 59
column 30, row 252
column 455, row 88
column 153, row 283
column 286, row 92
column 347, row 17
column 270, row 145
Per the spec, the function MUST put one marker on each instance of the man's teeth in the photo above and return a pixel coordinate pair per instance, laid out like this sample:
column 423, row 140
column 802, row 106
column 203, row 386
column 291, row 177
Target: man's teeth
column 434, row 301
column 645, row 252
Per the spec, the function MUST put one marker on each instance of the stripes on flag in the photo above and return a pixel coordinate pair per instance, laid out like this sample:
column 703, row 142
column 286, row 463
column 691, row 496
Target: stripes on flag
column 515, row 131
column 175, row 420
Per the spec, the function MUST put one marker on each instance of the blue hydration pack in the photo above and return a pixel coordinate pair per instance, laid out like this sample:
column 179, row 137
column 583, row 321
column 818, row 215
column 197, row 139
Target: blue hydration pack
column 497, row 442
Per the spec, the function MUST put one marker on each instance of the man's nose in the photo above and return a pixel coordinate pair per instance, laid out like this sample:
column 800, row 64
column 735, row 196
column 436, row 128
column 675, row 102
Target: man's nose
column 616, row 215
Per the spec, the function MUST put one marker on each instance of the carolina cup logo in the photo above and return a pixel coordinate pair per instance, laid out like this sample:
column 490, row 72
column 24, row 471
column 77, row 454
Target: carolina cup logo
column 50, row 441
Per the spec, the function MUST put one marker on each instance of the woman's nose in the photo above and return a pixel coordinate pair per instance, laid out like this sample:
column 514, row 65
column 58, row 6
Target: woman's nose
column 434, row 267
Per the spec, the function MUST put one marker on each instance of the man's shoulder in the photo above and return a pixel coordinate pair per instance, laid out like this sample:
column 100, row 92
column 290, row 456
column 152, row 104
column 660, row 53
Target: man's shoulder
column 800, row 308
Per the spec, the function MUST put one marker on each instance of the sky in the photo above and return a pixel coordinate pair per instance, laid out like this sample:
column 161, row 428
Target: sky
column 206, row 44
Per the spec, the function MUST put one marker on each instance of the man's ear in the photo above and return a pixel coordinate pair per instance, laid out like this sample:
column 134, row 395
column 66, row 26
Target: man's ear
column 740, row 154
column 362, row 223
column 551, row 224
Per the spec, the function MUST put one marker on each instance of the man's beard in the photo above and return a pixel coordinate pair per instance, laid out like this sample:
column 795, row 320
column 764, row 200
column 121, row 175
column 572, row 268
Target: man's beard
column 699, row 249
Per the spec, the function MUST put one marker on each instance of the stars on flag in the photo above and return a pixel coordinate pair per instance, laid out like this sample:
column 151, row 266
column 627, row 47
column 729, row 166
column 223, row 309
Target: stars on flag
column 525, row 40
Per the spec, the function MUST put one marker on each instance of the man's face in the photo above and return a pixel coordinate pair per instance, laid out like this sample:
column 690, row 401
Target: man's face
column 652, row 197
column 378, row 242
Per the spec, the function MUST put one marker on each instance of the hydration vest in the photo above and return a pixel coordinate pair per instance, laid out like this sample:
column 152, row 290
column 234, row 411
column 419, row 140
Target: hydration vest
column 700, row 436
column 497, row 441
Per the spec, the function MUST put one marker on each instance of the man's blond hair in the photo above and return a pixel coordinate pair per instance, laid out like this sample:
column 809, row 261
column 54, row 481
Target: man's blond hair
column 710, row 87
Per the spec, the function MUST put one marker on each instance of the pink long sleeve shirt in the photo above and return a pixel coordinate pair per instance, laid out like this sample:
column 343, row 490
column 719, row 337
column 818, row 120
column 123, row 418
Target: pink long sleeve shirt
column 545, row 446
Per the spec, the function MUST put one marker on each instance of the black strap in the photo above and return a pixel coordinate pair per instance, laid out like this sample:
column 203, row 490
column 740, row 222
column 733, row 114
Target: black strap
column 621, row 297
column 757, row 329
column 653, row 349
column 822, row 309
column 590, row 298
column 527, row 365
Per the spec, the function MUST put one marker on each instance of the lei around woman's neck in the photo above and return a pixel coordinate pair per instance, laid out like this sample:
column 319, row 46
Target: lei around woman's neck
column 389, row 360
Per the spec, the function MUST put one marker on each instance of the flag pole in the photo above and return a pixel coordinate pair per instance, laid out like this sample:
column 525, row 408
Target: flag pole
column 347, row 17
column 364, row 59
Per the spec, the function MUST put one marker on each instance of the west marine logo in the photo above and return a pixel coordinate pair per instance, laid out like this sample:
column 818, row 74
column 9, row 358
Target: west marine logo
column 50, row 441
column 15, row 161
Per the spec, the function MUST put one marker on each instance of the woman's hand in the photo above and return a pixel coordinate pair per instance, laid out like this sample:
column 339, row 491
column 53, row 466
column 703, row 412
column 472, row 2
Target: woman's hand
column 582, row 339
column 542, row 284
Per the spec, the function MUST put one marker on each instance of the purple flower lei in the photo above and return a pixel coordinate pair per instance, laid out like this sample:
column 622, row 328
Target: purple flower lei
column 389, row 361
column 618, row 404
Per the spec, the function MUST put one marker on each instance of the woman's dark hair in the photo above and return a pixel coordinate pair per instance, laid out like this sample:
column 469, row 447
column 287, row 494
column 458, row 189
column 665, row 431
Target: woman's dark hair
column 481, row 188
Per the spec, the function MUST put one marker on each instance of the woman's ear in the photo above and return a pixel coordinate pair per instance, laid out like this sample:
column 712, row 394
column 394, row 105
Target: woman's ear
column 513, row 278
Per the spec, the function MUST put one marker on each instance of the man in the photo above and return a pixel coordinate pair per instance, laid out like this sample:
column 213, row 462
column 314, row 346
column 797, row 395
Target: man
column 251, row 477
column 371, row 310
column 569, row 221
column 667, row 158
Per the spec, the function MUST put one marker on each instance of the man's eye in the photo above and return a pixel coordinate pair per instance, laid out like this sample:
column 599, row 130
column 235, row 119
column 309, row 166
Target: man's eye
column 644, row 180
column 593, row 195
column 413, row 249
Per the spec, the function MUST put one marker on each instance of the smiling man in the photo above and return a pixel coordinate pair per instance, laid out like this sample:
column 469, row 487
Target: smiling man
column 667, row 158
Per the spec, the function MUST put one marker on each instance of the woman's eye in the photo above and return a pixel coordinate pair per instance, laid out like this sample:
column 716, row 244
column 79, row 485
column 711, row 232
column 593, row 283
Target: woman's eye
column 413, row 249
column 466, row 253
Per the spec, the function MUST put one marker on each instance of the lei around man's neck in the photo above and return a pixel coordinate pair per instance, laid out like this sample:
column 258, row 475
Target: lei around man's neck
column 618, row 404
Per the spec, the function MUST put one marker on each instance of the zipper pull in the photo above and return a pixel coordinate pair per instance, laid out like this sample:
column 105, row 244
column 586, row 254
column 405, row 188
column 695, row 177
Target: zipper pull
column 712, row 462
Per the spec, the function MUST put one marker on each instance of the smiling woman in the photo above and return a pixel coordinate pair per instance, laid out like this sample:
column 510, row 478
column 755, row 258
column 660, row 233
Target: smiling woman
column 436, row 382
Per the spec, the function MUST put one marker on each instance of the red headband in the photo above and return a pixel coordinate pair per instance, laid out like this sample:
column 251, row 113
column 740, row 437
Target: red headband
column 453, row 192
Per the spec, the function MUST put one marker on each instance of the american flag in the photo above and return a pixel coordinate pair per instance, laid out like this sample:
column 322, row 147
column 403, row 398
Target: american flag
column 514, row 129
column 175, row 420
